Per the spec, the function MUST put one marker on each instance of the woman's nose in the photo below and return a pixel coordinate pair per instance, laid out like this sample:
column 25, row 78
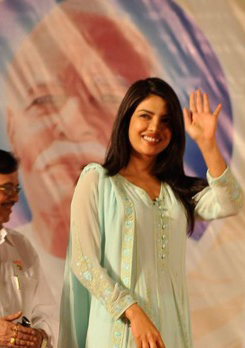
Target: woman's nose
column 155, row 125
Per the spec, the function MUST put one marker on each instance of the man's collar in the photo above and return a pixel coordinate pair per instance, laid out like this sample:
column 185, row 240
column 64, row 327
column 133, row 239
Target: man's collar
column 3, row 234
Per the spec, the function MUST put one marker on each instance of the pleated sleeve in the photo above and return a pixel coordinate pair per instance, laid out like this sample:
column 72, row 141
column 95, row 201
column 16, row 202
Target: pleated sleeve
column 222, row 197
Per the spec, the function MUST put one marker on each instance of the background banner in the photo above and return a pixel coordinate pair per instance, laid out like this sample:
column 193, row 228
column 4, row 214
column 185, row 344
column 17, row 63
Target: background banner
column 65, row 66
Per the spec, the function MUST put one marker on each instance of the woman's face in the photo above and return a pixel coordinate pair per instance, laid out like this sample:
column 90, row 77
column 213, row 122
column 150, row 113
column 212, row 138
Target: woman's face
column 149, row 127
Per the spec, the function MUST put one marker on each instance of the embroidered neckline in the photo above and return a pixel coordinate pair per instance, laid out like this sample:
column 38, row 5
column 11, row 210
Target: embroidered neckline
column 141, row 190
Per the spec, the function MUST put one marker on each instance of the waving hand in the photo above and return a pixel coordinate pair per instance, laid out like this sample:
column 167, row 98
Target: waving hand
column 200, row 122
column 201, row 125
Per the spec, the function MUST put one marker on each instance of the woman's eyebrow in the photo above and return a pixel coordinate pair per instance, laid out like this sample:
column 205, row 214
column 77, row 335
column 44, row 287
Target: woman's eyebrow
column 150, row 112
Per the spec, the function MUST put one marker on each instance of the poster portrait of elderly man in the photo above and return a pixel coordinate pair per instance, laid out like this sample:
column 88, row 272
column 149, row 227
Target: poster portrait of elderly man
column 63, row 85
column 63, row 88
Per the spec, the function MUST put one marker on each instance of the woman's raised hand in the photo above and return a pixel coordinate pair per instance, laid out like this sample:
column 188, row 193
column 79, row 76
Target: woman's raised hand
column 200, row 122
column 201, row 125
column 144, row 331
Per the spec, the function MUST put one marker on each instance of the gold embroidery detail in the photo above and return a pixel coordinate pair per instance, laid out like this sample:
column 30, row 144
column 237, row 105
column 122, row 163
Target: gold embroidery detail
column 126, row 256
column 92, row 276
column 228, row 181
column 96, row 281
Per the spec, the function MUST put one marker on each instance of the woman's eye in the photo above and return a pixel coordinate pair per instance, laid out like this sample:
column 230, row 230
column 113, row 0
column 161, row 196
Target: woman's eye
column 144, row 116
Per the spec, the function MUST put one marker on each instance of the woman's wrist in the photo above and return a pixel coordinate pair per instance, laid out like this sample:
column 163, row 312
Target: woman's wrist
column 213, row 158
column 207, row 146
column 132, row 311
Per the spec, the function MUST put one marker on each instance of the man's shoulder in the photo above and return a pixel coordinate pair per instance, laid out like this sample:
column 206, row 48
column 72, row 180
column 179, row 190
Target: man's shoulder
column 19, row 241
column 15, row 234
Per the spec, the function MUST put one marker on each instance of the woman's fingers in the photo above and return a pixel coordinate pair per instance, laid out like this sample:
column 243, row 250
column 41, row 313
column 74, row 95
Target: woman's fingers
column 196, row 103
column 193, row 102
column 153, row 344
column 160, row 343
column 156, row 342
column 187, row 117
column 199, row 103
column 145, row 344
column 206, row 104
column 150, row 343
column 138, row 343
column 217, row 111
column 144, row 331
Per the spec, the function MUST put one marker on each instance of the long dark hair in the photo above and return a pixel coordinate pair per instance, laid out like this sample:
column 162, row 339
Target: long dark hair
column 168, row 166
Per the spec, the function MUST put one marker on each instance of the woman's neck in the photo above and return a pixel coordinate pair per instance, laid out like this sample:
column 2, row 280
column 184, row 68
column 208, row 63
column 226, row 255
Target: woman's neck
column 138, row 166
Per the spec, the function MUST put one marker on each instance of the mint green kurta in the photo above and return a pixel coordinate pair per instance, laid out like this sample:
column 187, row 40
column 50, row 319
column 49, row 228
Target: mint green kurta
column 125, row 248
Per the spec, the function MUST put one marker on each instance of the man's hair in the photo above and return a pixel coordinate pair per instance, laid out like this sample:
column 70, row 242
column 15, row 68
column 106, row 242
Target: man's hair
column 8, row 163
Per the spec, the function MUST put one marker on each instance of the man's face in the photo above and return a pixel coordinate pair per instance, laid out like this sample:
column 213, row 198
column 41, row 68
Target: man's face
column 8, row 195
column 64, row 88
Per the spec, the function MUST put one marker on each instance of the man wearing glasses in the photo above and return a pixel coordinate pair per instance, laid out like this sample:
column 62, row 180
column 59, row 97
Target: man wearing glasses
column 23, row 288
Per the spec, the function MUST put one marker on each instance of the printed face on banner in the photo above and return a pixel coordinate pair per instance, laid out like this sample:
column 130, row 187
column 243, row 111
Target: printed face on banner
column 64, row 87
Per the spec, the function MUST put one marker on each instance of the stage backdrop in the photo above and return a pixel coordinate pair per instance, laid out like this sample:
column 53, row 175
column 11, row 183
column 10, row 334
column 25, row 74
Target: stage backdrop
column 64, row 67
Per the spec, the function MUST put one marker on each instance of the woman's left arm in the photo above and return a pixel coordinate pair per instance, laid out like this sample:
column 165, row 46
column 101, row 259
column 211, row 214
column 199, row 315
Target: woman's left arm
column 201, row 125
column 223, row 196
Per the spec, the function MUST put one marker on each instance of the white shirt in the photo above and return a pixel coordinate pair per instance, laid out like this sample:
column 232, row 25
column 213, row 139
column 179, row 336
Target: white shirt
column 22, row 283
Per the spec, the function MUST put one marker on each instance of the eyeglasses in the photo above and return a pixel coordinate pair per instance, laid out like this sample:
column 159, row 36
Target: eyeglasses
column 10, row 189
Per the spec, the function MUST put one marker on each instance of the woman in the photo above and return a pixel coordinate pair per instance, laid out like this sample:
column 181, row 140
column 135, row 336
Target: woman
column 125, row 278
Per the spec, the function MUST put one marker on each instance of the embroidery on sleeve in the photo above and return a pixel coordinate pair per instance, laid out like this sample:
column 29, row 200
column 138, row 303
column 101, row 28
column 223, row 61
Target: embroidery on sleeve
column 228, row 181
